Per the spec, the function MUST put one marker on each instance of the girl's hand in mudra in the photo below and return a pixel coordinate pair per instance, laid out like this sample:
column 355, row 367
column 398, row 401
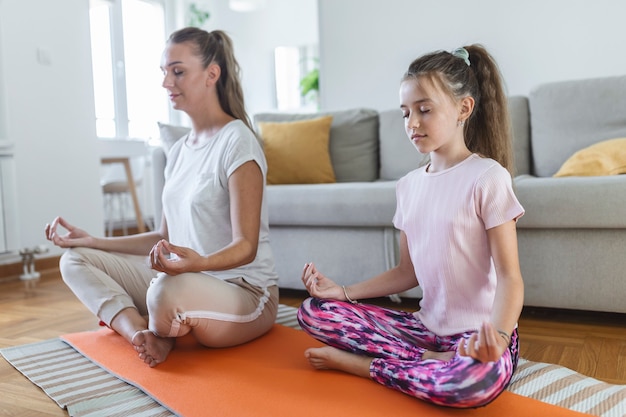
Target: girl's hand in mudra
column 318, row 285
column 485, row 346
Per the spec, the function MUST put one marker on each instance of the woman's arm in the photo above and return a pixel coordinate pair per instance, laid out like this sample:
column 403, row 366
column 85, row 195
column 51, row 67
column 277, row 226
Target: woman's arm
column 245, row 186
column 139, row 244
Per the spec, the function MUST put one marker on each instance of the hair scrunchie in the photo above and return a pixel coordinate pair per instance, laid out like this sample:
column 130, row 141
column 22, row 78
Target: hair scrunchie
column 463, row 54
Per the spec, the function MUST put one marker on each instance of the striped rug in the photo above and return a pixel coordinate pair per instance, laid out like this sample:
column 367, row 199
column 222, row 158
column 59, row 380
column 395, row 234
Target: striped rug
column 85, row 389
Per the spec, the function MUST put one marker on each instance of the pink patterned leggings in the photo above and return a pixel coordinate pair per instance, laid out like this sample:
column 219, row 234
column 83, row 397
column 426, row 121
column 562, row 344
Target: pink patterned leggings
column 396, row 340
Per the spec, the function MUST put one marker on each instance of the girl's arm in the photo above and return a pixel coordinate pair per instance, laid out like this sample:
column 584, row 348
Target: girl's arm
column 493, row 338
column 394, row 281
column 509, row 299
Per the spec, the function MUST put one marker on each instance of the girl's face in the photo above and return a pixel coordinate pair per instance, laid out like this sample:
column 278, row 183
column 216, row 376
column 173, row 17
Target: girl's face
column 184, row 77
column 430, row 116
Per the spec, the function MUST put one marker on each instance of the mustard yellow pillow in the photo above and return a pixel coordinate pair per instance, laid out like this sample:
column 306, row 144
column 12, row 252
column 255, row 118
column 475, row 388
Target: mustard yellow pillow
column 603, row 158
column 297, row 152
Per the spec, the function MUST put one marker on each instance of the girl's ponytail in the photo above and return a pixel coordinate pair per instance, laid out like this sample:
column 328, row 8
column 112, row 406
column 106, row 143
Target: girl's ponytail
column 472, row 71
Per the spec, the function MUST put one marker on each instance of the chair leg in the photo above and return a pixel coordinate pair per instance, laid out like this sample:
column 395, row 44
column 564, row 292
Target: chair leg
column 122, row 206
column 109, row 214
column 120, row 202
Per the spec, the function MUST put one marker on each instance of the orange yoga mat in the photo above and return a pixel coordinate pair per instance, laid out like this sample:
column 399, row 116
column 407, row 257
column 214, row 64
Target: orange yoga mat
column 270, row 377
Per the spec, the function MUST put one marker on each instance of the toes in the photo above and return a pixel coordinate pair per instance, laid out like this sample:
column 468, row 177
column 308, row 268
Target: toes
column 139, row 339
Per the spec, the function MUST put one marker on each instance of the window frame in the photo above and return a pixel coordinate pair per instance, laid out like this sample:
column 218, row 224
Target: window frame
column 118, row 63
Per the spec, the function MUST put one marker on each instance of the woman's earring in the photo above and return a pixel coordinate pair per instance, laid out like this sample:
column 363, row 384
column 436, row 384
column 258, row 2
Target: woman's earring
column 460, row 123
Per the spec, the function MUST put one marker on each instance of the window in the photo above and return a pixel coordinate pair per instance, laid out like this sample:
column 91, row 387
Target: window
column 296, row 77
column 127, row 39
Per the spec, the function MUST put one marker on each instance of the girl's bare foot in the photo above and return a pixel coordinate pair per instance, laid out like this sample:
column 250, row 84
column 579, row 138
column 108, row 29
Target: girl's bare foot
column 152, row 349
column 328, row 357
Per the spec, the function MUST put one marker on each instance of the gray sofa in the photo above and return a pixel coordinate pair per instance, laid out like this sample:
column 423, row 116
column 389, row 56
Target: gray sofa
column 571, row 240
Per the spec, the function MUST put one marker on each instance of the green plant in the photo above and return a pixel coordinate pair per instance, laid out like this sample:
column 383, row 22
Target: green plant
column 197, row 16
column 310, row 82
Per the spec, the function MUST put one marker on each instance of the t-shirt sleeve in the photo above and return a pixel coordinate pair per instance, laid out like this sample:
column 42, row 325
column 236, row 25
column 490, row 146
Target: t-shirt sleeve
column 496, row 201
column 244, row 147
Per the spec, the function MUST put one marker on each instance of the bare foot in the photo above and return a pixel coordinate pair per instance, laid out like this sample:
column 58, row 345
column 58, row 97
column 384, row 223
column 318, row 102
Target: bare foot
column 439, row 356
column 331, row 358
column 152, row 349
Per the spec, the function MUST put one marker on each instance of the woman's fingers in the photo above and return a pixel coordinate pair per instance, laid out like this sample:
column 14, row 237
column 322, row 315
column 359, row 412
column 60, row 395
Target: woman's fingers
column 154, row 257
column 47, row 231
column 51, row 228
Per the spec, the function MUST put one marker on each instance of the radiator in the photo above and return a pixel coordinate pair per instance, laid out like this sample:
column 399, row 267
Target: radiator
column 9, row 237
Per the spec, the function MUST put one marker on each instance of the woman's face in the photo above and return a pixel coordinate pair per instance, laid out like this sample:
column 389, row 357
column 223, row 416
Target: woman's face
column 184, row 77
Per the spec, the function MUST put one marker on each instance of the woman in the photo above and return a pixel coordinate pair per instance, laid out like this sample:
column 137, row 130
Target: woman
column 210, row 268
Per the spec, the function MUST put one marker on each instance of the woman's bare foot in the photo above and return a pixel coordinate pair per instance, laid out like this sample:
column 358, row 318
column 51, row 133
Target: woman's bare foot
column 152, row 349
column 439, row 356
column 328, row 357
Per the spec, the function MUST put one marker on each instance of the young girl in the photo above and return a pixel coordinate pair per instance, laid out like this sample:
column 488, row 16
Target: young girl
column 209, row 269
column 458, row 242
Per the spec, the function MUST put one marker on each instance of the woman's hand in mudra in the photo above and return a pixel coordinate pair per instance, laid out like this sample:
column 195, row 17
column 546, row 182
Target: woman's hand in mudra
column 74, row 237
column 184, row 259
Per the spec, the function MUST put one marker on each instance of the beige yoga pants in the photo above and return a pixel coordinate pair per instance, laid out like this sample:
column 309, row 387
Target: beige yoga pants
column 219, row 313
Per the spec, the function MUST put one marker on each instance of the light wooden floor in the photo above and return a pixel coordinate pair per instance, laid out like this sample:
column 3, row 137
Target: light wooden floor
column 591, row 343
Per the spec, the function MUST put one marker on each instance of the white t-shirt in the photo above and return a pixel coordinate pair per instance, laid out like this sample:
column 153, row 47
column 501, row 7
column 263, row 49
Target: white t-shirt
column 196, row 199
column 445, row 216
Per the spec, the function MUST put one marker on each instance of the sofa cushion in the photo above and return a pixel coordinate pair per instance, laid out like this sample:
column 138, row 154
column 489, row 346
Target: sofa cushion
column 398, row 156
column 363, row 204
column 603, row 158
column 571, row 115
column 353, row 140
column 170, row 134
column 297, row 152
column 572, row 202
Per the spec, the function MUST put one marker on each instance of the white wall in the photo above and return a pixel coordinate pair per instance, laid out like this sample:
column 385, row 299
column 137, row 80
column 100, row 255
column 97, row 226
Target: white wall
column 255, row 36
column 366, row 45
column 3, row 132
column 50, row 114
column 49, row 110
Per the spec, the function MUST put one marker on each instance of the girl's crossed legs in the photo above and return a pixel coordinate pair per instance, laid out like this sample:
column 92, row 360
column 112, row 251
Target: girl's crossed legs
column 394, row 345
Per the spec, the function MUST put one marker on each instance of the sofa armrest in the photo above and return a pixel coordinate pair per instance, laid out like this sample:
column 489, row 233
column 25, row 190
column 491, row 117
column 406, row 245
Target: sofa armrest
column 158, row 181
column 520, row 123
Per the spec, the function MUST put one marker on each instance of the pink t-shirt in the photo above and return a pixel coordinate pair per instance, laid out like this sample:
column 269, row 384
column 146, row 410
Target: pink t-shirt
column 445, row 216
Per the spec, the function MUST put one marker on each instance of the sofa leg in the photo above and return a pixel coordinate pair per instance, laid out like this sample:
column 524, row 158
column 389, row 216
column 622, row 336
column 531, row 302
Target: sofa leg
column 395, row 298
